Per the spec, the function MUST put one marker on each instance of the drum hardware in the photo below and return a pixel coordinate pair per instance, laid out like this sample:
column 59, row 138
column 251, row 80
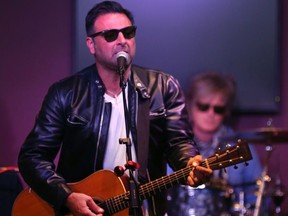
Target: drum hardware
column 265, row 136
column 278, row 196
column 262, row 184
column 239, row 207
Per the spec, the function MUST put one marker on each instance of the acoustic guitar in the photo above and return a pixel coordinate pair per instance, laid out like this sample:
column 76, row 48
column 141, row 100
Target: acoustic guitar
column 111, row 192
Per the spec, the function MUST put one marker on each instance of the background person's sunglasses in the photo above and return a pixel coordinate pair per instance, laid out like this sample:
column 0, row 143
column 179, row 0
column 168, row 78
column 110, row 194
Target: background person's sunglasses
column 112, row 34
column 205, row 107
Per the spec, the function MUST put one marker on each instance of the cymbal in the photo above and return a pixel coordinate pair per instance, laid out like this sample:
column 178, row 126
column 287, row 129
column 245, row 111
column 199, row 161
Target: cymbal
column 265, row 135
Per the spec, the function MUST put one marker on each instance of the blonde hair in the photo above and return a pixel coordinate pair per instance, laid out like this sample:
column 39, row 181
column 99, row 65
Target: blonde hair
column 208, row 83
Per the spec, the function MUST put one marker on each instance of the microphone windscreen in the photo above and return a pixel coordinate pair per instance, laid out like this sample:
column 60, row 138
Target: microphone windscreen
column 122, row 54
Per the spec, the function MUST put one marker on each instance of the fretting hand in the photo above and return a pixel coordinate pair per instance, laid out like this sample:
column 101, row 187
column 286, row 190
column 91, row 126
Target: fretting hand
column 199, row 175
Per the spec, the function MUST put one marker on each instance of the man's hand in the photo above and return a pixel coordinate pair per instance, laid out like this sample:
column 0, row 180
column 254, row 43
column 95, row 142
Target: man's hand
column 199, row 175
column 81, row 204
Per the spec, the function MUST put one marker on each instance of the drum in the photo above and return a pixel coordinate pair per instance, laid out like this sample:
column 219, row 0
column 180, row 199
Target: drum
column 203, row 200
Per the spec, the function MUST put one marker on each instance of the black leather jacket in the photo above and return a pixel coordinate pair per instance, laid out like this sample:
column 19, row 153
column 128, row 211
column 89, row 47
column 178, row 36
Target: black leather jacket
column 74, row 118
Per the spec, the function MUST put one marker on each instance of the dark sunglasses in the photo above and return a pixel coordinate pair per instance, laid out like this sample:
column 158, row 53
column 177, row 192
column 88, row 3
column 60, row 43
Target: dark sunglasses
column 112, row 34
column 205, row 107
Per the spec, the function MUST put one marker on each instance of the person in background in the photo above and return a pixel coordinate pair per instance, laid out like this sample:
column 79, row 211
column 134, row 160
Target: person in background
column 82, row 116
column 210, row 97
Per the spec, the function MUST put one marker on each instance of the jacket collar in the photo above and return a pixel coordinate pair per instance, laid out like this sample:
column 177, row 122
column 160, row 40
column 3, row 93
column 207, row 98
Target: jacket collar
column 137, row 77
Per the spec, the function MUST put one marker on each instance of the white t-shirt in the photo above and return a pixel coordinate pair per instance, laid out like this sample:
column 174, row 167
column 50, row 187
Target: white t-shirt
column 115, row 154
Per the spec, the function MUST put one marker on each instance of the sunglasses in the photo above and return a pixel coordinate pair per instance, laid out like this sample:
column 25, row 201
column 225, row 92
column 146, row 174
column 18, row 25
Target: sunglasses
column 205, row 107
column 112, row 34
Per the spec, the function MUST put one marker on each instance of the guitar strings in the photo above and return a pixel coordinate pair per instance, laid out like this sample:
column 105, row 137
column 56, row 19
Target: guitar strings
column 116, row 204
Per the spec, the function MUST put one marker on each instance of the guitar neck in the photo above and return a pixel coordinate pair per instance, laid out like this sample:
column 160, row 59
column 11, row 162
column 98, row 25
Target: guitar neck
column 163, row 183
column 229, row 157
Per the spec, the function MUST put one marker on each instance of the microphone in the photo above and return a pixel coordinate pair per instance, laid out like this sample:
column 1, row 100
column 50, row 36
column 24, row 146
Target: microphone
column 122, row 59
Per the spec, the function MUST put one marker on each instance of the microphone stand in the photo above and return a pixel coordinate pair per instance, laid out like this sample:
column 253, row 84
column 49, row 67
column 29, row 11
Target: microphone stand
column 134, row 201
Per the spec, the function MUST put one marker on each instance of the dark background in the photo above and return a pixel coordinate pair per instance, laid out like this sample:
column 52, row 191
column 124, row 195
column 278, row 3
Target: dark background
column 37, row 48
column 187, row 37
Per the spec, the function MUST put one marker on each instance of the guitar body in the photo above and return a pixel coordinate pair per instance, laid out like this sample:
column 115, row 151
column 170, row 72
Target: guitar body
column 101, row 185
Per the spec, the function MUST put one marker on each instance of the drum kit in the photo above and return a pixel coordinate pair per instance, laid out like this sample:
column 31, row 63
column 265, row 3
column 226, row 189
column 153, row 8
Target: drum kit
column 266, row 136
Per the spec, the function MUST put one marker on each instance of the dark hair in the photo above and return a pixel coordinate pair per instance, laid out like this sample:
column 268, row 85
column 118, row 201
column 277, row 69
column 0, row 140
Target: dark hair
column 101, row 8
column 211, row 82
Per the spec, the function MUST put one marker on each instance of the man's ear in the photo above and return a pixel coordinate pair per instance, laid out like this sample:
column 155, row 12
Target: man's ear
column 90, row 44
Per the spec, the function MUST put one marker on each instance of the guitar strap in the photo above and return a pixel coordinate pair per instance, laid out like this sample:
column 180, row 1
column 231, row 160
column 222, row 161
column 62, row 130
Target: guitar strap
column 143, row 126
column 143, row 134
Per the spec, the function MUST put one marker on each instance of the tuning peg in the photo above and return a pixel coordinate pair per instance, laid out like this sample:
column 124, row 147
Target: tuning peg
column 218, row 149
column 235, row 167
column 246, row 163
column 228, row 145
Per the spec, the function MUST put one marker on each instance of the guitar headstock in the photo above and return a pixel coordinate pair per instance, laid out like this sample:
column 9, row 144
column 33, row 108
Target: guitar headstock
column 238, row 153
